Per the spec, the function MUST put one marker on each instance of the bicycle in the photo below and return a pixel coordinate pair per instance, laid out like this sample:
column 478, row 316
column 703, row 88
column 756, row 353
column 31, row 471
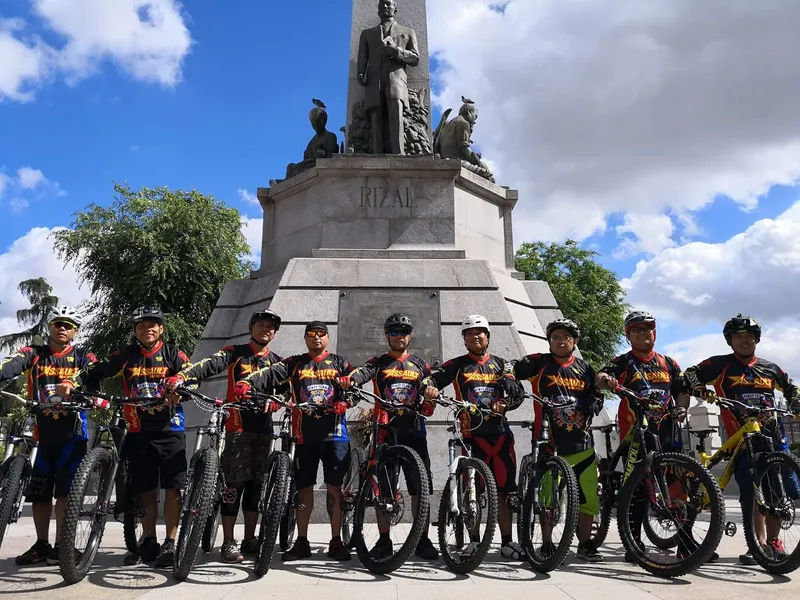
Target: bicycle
column 380, row 489
column 350, row 487
column 16, row 472
column 105, row 458
column 543, row 472
column 769, row 492
column 466, row 502
column 608, row 484
column 658, row 472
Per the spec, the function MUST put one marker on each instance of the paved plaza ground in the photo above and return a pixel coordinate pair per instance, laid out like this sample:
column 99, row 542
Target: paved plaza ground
column 319, row 578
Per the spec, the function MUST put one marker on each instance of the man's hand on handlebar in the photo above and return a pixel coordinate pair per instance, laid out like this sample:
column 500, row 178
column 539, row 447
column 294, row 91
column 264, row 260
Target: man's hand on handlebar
column 431, row 392
column 499, row 407
column 173, row 383
column 339, row 408
column 64, row 389
column 242, row 390
column 604, row 380
column 344, row 382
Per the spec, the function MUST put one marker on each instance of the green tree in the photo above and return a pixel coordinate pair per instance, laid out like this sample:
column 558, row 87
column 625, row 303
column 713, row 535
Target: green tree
column 586, row 292
column 39, row 294
column 176, row 249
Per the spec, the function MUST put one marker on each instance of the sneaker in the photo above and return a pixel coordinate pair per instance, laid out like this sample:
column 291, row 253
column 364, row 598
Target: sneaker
column 425, row 549
column 467, row 552
column 512, row 551
column 778, row 551
column 35, row 554
column 53, row 560
column 166, row 557
column 684, row 553
column 229, row 553
column 250, row 546
column 148, row 552
column 747, row 559
column 338, row 551
column 588, row 551
column 301, row 549
column 382, row 549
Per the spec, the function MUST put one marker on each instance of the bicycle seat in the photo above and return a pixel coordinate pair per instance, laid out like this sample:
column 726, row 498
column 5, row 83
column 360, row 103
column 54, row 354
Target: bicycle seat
column 702, row 433
column 604, row 428
column 526, row 424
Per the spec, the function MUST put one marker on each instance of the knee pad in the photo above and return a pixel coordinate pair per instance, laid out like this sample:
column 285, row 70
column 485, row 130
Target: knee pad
column 251, row 496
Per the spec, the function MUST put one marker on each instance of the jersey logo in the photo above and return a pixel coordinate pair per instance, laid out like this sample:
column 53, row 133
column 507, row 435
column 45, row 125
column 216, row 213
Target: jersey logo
column 317, row 374
column 55, row 371
column 149, row 372
column 159, row 359
column 70, row 359
column 247, row 369
column 762, row 383
column 405, row 374
column 570, row 383
column 652, row 377
column 481, row 377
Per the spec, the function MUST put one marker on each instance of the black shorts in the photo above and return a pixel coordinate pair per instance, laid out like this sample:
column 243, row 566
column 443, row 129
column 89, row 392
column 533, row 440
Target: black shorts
column 420, row 445
column 54, row 469
column 335, row 458
column 498, row 453
column 156, row 459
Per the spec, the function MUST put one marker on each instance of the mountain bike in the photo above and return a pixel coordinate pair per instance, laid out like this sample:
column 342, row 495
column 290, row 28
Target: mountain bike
column 16, row 472
column 469, row 498
column 381, row 485
column 549, row 491
column 675, row 488
column 350, row 487
column 100, row 472
column 771, row 472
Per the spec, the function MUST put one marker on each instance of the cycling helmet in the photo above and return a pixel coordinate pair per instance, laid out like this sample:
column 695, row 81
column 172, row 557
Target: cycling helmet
column 475, row 321
column 639, row 316
column 740, row 323
column 267, row 315
column 567, row 324
column 398, row 321
column 64, row 313
column 148, row 312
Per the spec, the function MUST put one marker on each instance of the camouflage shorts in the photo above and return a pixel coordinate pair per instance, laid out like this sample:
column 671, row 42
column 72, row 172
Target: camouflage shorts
column 244, row 457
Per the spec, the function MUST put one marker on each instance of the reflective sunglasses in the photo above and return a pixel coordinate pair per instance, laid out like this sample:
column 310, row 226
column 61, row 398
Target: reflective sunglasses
column 312, row 334
column 63, row 325
column 399, row 332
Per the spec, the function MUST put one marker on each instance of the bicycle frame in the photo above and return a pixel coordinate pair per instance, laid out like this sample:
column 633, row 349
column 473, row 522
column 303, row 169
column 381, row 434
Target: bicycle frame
column 731, row 449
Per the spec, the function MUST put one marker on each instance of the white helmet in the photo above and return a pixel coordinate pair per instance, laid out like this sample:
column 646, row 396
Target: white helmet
column 64, row 313
column 473, row 321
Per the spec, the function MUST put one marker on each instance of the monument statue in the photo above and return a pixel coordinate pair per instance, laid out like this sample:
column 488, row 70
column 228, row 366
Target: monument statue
column 384, row 52
column 453, row 139
column 323, row 145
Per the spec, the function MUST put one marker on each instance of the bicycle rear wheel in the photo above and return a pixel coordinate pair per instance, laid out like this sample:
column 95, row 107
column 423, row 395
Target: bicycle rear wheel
column 127, row 504
column 607, row 486
column 195, row 510
column 274, row 498
column 11, row 491
column 350, row 488
column 86, row 499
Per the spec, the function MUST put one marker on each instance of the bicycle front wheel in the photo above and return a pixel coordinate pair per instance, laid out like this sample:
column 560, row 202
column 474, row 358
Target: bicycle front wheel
column 10, row 491
column 214, row 517
column 127, row 504
column 607, row 484
column 350, row 488
column 274, row 498
column 195, row 510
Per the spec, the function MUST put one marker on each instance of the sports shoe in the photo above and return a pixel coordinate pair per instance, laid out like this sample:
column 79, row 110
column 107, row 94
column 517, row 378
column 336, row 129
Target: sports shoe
column 301, row 549
column 512, row 551
column 250, row 546
column 148, row 552
column 684, row 553
column 747, row 559
column 778, row 551
column 338, row 551
column 470, row 549
column 382, row 549
column 53, row 560
column 35, row 554
column 588, row 551
column 425, row 549
column 229, row 553
column 166, row 557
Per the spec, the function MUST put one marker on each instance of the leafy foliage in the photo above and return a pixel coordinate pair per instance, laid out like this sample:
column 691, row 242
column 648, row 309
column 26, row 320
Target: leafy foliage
column 794, row 447
column 586, row 292
column 176, row 249
column 39, row 294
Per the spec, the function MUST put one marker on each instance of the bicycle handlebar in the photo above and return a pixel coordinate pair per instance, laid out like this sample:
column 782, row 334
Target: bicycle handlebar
column 368, row 396
column 549, row 403
column 754, row 410
column 138, row 402
column 38, row 406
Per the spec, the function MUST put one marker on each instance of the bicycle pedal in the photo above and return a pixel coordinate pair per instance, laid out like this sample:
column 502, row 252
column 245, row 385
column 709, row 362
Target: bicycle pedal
column 730, row 529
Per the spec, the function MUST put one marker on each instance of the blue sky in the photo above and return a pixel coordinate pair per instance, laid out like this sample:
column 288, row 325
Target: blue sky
column 642, row 140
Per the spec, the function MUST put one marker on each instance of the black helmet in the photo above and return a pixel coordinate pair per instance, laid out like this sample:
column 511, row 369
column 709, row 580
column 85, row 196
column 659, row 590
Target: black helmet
column 148, row 312
column 639, row 316
column 267, row 315
column 567, row 324
column 398, row 321
column 740, row 323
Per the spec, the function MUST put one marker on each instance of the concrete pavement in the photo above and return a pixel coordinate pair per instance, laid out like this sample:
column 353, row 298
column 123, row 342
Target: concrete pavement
column 211, row 580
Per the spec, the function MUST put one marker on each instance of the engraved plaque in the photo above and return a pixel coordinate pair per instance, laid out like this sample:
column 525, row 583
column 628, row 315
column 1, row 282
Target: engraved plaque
column 363, row 312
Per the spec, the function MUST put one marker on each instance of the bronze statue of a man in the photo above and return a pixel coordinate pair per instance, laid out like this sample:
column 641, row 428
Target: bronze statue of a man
column 453, row 139
column 384, row 52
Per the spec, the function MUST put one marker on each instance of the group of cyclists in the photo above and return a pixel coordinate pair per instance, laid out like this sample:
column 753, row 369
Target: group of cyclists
column 155, row 445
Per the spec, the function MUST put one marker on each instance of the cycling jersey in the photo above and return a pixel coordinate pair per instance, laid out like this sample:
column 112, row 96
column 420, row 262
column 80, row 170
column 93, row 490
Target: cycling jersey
column 141, row 372
column 571, row 381
column 240, row 361
column 644, row 375
column 476, row 379
column 46, row 369
column 753, row 382
column 313, row 380
column 397, row 379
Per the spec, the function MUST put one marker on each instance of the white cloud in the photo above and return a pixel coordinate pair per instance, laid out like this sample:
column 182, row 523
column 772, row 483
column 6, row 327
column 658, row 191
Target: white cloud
column 252, row 229
column 651, row 234
column 4, row 181
column 30, row 178
column 248, row 197
column 635, row 107
column 29, row 257
column 148, row 39
column 18, row 204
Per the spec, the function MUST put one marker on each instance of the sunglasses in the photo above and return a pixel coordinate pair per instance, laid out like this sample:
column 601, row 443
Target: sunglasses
column 399, row 332
column 311, row 334
column 63, row 325
column 640, row 330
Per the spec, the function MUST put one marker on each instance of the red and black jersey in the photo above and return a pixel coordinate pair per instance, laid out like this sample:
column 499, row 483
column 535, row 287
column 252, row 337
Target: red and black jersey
column 569, row 381
column 398, row 379
column 141, row 371
column 313, row 380
column 46, row 369
column 240, row 361
column 644, row 375
column 753, row 382
column 476, row 379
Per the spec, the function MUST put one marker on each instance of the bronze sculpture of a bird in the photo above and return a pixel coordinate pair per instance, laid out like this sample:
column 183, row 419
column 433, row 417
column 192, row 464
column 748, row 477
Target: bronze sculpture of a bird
column 319, row 103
